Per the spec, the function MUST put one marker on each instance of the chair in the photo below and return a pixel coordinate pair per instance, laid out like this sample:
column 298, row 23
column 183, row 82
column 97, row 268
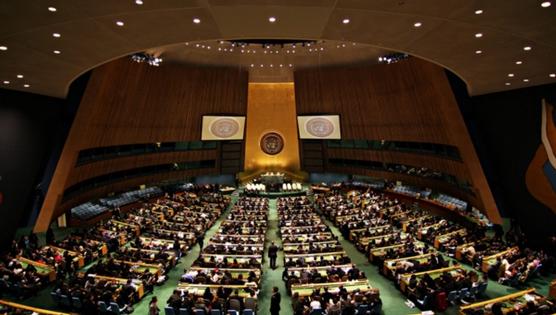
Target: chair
column 233, row 312
column 362, row 309
column 474, row 291
column 423, row 304
column 464, row 294
column 248, row 311
column 65, row 301
column 169, row 310
column 482, row 288
column 115, row 308
column 55, row 297
column 199, row 311
column 215, row 312
column 76, row 302
column 184, row 311
column 102, row 307
column 316, row 312
column 453, row 296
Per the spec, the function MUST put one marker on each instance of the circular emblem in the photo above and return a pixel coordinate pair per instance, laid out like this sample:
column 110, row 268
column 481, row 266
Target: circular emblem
column 319, row 127
column 224, row 127
column 272, row 143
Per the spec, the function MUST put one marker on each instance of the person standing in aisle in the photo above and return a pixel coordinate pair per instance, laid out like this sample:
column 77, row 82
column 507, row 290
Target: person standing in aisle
column 275, row 302
column 272, row 254
column 200, row 240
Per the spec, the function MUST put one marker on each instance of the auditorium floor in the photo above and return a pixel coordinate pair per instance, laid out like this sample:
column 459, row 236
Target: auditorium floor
column 393, row 300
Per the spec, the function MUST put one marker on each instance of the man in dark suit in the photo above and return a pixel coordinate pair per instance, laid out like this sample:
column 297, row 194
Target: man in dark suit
column 272, row 254
column 275, row 302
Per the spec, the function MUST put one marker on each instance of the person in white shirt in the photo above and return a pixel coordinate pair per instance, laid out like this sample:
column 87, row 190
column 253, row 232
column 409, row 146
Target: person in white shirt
column 315, row 305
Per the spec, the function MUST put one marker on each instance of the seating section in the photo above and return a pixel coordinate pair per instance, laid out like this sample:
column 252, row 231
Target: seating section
column 227, row 274
column 87, row 211
column 319, row 273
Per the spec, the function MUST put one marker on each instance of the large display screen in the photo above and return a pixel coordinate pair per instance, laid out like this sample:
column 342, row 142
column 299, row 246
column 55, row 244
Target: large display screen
column 223, row 127
column 319, row 127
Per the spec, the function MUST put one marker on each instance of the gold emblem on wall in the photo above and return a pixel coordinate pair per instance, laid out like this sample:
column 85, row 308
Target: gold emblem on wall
column 272, row 143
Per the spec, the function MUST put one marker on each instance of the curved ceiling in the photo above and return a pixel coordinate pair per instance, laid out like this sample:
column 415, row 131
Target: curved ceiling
column 89, row 34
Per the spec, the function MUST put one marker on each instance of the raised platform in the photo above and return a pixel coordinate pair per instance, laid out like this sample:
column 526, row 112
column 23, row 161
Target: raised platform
column 277, row 194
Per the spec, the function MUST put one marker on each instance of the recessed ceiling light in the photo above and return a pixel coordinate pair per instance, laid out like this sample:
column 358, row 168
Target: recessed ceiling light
column 527, row 48
column 57, row 52
column 119, row 23
column 545, row 4
column 510, row 75
column 478, row 52
column 552, row 75
column 57, row 35
column 290, row 65
column 3, row 48
column 479, row 11
column 518, row 62
column 479, row 35
column 52, row 9
column 20, row 76
column 26, row 85
column 508, row 83
column 525, row 80
column 139, row 2
column 345, row 21
column 252, row 65
column 272, row 19
column 196, row 20
column 6, row 82
column 417, row 24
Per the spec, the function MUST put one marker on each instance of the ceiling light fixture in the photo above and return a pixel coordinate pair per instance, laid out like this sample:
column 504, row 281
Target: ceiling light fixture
column 139, row 2
column 527, row 48
column 511, row 75
column 20, row 76
column 345, row 21
column 3, row 48
column 57, row 52
column 57, row 35
column 545, row 4
column 119, row 23
column 478, row 52
column 479, row 35
column 26, row 85
column 417, row 24
column 518, row 62
column 478, row 11
column 272, row 19
column 508, row 83
column 552, row 75
column 52, row 9
column 6, row 82
column 525, row 80
column 196, row 20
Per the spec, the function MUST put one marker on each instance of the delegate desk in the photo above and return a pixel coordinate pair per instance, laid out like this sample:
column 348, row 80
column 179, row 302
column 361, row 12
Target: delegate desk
column 23, row 308
column 242, row 259
column 251, row 239
column 198, row 289
column 491, row 260
column 333, row 287
column 166, row 244
column 171, row 260
column 322, row 270
column 142, row 267
column 389, row 268
column 354, row 234
column 435, row 273
column 379, row 252
column 422, row 232
column 289, row 247
column 125, row 225
column 365, row 241
column 510, row 302
column 76, row 256
column 44, row 271
column 290, row 238
column 136, row 283
column 109, row 234
column 235, row 272
column 407, row 223
column 332, row 256
column 441, row 239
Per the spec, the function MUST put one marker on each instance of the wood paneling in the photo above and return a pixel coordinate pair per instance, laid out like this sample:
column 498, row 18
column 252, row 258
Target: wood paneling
column 95, row 169
column 126, row 103
column 406, row 101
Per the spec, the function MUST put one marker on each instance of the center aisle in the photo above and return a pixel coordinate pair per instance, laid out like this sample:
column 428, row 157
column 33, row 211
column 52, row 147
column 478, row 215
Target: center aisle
column 273, row 278
column 164, row 291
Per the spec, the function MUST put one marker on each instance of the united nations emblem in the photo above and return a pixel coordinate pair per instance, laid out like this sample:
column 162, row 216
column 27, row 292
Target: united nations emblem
column 224, row 127
column 319, row 127
column 272, row 143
